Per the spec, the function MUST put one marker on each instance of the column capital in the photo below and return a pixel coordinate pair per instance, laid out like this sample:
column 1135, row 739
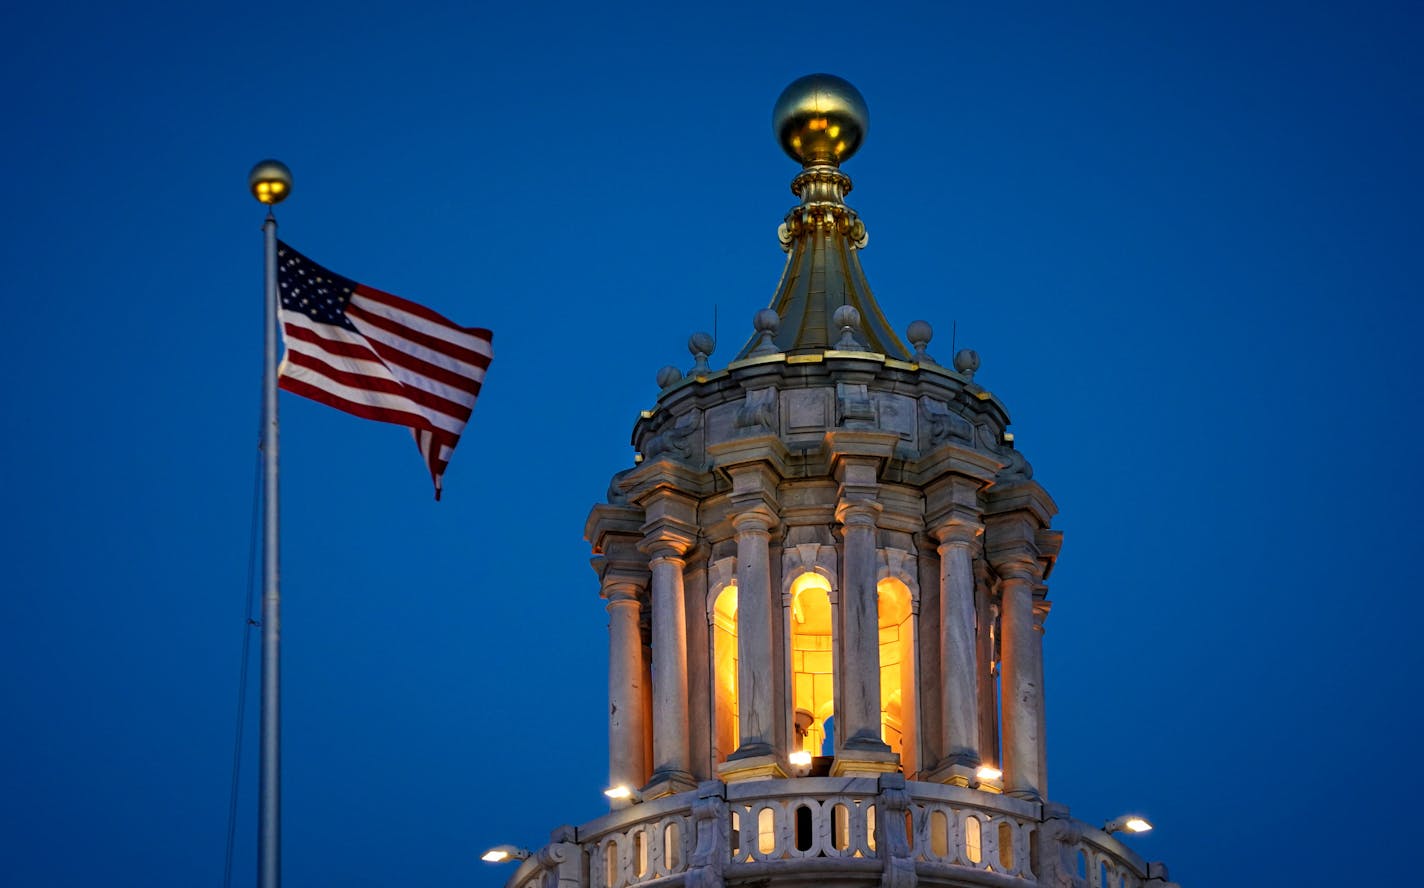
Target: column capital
column 956, row 532
column 858, row 512
column 755, row 519
column 1019, row 569
column 627, row 573
column 667, row 537
column 622, row 593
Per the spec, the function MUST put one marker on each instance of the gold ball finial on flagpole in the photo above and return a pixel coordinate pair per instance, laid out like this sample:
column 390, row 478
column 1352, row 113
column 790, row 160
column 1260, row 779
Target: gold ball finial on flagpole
column 270, row 181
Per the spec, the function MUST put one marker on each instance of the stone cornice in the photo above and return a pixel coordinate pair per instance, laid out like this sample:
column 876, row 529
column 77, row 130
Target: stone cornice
column 954, row 459
column 607, row 521
column 664, row 473
column 843, row 443
column 1049, row 543
column 766, row 449
column 1021, row 496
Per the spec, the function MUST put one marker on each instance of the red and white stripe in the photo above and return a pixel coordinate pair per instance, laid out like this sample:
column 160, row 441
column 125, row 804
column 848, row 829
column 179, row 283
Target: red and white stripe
column 406, row 365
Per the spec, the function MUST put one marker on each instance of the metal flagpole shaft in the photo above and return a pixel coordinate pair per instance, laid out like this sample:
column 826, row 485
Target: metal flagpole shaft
column 270, row 182
column 269, row 836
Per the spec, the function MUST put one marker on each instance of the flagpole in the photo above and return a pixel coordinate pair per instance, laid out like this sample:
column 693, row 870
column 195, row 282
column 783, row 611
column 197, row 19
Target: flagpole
column 270, row 182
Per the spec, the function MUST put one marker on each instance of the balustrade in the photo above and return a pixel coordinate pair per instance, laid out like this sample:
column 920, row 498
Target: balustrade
column 792, row 823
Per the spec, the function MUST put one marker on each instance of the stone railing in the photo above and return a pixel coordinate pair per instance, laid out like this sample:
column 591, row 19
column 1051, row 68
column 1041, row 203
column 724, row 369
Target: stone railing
column 886, row 830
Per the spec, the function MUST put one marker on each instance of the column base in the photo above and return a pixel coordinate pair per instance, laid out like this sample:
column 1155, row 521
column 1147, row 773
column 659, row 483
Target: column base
column 751, row 767
column 666, row 783
column 954, row 773
column 865, row 763
column 1028, row 795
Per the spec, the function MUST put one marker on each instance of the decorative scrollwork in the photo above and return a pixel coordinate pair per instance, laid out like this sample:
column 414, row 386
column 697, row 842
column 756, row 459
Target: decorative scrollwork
column 945, row 424
column 672, row 437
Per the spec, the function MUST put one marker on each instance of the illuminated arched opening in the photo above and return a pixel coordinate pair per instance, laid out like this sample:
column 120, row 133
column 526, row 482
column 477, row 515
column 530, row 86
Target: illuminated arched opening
column 812, row 676
column 897, row 671
column 724, row 673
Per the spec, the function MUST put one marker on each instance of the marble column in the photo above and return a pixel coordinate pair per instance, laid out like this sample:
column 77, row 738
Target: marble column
column 671, row 764
column 862, row 751
column 626, row 718
column 1040, row 613
column 1022, row 675
column 755, row 755
column 959, row 690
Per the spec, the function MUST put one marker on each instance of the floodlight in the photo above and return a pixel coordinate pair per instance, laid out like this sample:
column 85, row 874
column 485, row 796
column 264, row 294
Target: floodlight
column 621, row 793
column 1128, row 823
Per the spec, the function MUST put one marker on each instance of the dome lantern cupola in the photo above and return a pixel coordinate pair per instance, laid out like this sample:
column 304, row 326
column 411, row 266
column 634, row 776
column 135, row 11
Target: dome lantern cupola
column 826, row 583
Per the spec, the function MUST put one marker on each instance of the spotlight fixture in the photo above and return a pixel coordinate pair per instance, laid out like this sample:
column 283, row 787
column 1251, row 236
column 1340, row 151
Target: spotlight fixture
column 1128, row 823
column 623, row 793
column 989, row 772
column 501, row 853
column 800, row 758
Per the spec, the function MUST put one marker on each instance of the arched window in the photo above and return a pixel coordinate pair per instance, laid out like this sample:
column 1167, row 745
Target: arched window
column 897, row 671
column 812, row 676
column 724, row 672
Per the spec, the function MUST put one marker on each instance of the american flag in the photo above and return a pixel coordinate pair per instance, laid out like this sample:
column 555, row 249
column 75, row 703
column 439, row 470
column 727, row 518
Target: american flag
column 379, row 356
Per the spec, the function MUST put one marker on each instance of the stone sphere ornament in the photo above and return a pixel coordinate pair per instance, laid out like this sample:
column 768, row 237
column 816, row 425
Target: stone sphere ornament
column 847, row 317
column 701, row 345
column 668, row 376
column 766, row 322
column 920, row 333
column 270, row 181
column 820, row 118
column 966, row 361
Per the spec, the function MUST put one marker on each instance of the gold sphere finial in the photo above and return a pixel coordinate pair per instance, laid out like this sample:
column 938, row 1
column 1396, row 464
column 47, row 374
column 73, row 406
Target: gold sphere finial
column 270, row 181
column 820, row 118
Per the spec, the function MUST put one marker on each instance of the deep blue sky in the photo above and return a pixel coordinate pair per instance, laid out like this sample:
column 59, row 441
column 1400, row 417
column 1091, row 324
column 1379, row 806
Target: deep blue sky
column 1185, row 240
